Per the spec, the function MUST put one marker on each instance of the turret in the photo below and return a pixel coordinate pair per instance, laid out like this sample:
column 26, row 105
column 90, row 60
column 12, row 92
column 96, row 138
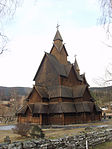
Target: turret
column 76, row 66
column 58, row 49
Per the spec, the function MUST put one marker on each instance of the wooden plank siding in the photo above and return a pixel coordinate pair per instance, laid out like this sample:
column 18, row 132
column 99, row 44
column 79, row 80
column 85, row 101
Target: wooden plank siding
column 35, row 97
column 55, row 119
column 61, row 56
column 71, row 80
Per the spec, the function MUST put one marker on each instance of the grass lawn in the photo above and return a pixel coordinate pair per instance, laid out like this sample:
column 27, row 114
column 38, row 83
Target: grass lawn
column 107, row 145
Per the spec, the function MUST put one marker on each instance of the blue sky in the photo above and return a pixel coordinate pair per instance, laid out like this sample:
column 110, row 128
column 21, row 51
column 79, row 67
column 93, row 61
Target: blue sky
column 31, row 32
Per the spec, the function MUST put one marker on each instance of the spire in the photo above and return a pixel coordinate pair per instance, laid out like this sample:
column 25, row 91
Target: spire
column 76, row 65
column 58, row 35
column 58, row 49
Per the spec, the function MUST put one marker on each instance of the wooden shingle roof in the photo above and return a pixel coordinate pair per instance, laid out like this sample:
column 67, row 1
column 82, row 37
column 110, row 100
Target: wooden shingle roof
column 63, row 107
column 78, row 91
column 60, row 69
column 55, row 108
column 22, row 110
column 42, row 91
column 40, row 108
column 79, row 107
column 60, row 91
column 67, row 92
column 68, row 107
column 84, row 107
column 58, row 36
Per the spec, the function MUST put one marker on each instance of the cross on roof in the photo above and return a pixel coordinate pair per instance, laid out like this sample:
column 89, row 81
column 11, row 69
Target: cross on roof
column 57, row 26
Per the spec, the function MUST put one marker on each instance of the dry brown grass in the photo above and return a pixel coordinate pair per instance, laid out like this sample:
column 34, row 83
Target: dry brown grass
column 57, row 133
column 51, row 132
column 4, row 133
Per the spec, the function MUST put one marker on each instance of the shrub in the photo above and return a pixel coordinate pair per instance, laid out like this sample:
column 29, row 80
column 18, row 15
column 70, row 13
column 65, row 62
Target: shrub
column 36, row 132
column 21, row 129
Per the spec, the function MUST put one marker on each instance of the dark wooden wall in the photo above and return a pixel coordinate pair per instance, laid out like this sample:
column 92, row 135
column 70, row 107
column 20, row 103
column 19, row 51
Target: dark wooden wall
column 35, row 97
column 60, row 55
column 71, row 80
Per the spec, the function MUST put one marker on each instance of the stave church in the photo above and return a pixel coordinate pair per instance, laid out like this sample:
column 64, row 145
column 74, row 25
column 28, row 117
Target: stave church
column 60, row 95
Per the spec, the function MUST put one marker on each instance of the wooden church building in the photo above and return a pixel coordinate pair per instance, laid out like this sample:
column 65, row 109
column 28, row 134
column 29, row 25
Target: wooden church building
column 60, row 95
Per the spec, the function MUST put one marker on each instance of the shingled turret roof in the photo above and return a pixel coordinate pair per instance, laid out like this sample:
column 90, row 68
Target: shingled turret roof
column 58, row 36
column 76, row 65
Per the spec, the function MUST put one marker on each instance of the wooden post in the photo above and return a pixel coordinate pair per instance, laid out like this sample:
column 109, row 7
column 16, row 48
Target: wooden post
column 40, row 119
column 63, row 120
column 86, row 144
column 60, row 99
column 84, row 117
column 59, row 80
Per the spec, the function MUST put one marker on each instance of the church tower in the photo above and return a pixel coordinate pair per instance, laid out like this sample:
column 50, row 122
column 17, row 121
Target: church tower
column 58, row 49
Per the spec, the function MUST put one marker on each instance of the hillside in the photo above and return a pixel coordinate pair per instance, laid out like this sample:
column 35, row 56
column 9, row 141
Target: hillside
column 100, row 89
column 103, row 95
column 13, row 92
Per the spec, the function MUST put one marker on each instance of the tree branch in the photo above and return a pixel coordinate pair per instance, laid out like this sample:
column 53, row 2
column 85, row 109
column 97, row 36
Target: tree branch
column 3, row 41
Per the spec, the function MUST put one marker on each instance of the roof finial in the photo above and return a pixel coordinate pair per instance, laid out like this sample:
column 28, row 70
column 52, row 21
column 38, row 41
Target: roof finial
column 75, row 56
column 57, row 26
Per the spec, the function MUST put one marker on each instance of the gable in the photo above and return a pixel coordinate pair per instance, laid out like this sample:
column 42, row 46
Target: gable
column 84, row 79
column 29, row 109
column 34, row 96
column 87, row 95
column 60, row 53
column 49, row 71
column 71, row 79
column 22, row 110
column 73, row 76
column 46, row 74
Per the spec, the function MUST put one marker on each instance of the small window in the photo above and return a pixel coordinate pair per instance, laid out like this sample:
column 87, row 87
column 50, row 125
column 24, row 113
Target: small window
column 35, row 115
column 23, row 115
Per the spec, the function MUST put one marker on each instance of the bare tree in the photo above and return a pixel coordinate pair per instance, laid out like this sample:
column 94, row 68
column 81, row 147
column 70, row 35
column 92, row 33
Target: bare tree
column 3, row 42
column 8, row 7
column 108, row 75
column 7, row 10
column 106, row 79
column 106, row 18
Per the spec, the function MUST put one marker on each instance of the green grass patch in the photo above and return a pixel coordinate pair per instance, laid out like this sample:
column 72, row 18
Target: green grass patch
column 106, row 145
